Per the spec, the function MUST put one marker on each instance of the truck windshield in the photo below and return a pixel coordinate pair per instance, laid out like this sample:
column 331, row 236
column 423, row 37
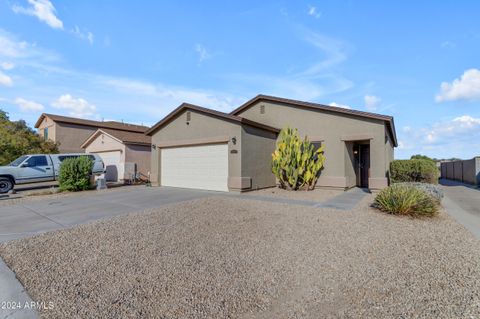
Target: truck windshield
column 18, row 161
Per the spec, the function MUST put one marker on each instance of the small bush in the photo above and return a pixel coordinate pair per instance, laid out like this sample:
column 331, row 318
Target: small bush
column 414, row 170
column 401, row 199
column 75, row 174
column 431, row 189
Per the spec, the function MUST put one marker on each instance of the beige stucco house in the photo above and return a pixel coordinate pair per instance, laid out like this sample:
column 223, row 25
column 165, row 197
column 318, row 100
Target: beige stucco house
column 124, row 153
column 196, row 147
column 71, row 132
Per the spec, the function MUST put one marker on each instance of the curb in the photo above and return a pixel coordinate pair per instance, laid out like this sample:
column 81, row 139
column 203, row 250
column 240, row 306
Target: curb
column 14, row 300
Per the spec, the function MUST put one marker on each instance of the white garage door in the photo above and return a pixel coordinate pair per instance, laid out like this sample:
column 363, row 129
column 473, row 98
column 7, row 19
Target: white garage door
column 201, row 167
column 114, row 170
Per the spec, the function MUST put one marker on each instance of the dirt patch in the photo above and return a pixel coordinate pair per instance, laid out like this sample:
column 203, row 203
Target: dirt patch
column 235, row 258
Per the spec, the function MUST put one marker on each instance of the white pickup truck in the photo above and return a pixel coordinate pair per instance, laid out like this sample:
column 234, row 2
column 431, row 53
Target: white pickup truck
column 40, row 168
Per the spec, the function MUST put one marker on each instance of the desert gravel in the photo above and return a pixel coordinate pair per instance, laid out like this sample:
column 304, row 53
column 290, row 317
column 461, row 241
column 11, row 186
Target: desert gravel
column 318, row 194
column 222, row 257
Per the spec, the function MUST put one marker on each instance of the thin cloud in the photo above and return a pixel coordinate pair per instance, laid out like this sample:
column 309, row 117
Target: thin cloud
column 448, row 45
column 457, row 136
column 11, row 48
column 5, row 80
column 372, row 102
column 22, row 52
column 84, row 35
column 76, row 107
column 28, row 106
column 171, row 95
column 7, row 65
column 312, row 11
column 467, row 87
column 333, row 49
column 202, row 52
column 343, row 106
column 314, row 81
column 43, row 10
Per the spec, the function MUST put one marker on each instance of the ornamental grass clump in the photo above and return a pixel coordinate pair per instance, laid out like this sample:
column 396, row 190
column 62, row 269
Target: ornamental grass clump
column 296, row 163
column 401, row 199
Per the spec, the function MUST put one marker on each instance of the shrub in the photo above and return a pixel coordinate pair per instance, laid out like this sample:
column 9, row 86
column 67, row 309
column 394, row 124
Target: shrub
column 431, row 189
column 295, row 162
column 401, row 199
column 414, row 170
column 419, row 156
column 75, row 174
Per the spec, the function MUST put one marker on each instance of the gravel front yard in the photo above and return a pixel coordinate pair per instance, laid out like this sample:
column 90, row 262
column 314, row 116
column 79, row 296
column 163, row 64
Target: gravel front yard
column 318, row 194
column 236, row 258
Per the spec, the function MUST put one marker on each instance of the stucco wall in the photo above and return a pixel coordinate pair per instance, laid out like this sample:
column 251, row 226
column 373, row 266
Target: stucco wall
column 467, row 171
column 47, row 122
column 257, row 148
column 139, row 154
column 105, row 143
column 71, row 136
column 331, row 128
column 389, row 151
column 249, row 157
column 200, row 129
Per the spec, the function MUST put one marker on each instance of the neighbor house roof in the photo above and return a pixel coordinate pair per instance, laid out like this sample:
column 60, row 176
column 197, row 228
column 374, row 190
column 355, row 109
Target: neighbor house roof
column 217, row 114
column 315, row 106
column 122, row 136
column 99, row 124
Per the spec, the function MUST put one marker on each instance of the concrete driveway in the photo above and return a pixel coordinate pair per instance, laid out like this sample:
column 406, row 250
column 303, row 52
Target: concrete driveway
column 38, row 216
column 462, row 201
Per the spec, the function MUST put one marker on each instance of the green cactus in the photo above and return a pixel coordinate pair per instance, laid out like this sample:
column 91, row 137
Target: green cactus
column 295, row 162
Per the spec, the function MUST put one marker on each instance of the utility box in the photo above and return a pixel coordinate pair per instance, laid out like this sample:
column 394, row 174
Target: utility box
column 130, row 172
column 101, row 183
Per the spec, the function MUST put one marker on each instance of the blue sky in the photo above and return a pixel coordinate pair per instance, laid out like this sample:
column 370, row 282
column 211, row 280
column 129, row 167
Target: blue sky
column 136, row 61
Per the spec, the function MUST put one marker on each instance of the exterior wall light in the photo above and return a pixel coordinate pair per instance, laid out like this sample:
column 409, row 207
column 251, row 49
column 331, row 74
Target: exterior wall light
column 234, row 140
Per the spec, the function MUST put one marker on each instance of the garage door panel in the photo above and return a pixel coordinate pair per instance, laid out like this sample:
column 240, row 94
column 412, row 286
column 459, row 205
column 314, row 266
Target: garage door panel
column 201, row 167
column 113, row 168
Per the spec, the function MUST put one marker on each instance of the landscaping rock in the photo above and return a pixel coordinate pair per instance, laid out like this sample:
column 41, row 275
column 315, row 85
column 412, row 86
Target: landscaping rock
column 235, row 258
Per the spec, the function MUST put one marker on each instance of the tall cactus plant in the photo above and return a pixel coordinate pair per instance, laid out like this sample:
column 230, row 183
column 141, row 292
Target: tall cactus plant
column 295, row 162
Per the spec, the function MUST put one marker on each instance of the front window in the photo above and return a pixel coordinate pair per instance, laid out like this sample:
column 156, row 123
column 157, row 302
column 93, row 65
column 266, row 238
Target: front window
column 45, row 133
column 18, row 161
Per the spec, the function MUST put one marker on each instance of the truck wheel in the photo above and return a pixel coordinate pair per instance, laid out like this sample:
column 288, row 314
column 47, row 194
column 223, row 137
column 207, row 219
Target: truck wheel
column 5, row 184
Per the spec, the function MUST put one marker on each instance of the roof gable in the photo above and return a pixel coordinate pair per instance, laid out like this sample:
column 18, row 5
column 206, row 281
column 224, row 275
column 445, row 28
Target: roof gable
column 319, row 107
column 120, row 136
column 213, row 113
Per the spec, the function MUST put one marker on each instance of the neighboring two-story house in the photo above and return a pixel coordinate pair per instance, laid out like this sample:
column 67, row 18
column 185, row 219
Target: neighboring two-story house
column 70, row 132
column 124, row 148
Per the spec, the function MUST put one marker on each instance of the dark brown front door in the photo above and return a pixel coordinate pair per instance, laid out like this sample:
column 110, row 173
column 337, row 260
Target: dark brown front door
column 364, row 165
